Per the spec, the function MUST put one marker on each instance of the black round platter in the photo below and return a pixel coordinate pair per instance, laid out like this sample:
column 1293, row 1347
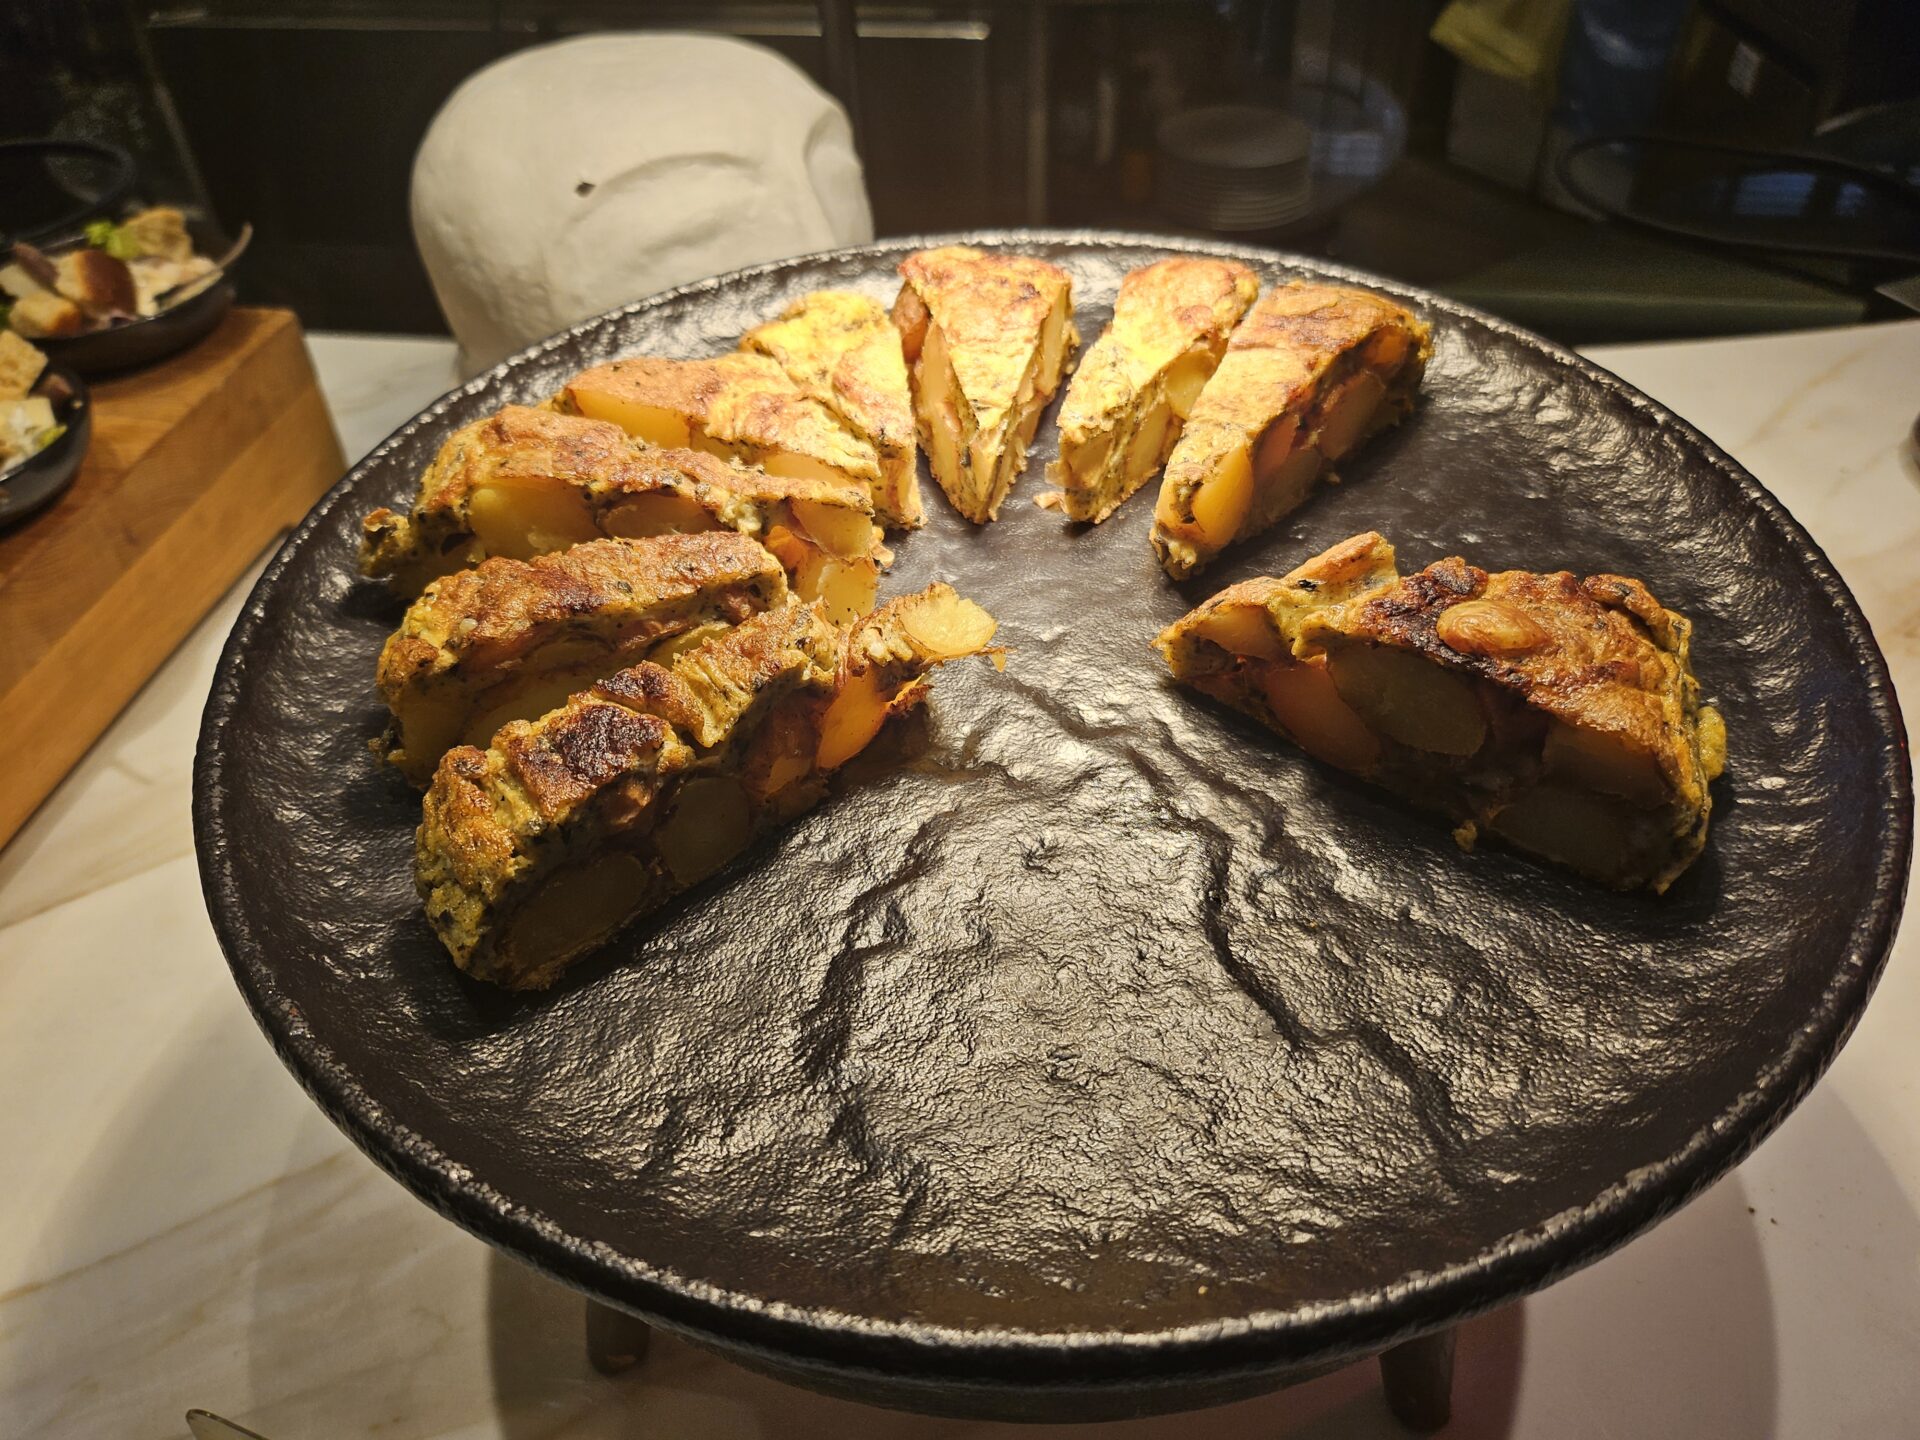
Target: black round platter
column 1090, row 1050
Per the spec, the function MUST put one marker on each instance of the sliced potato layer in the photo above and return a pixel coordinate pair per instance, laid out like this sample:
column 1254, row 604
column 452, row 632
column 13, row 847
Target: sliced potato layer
column 1132, row 394
column 1312, row 371
column 537, row 847
column 1559, row 714
column 512, row 639
column 529, row 482
column 842, row 350
column 987, row 338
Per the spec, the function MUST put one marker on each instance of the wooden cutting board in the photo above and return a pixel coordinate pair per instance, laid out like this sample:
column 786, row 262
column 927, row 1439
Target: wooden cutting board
column 194, row 467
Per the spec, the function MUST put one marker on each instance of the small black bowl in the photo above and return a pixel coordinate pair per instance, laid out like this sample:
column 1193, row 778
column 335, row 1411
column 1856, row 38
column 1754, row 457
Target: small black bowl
column 141, row 342
column 35, row 481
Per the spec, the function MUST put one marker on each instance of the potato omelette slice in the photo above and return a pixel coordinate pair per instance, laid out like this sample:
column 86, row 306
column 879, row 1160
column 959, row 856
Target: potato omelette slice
column 987, row 338
column 1558, row 713
column 740, row 407
column 840, row 348
column 1134, row 390
column 1309, row 375
column 536, row 849
column 512, row 639
column 528, row 481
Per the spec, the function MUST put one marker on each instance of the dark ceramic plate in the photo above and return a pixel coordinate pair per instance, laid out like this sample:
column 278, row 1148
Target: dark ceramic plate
column 1089, row 1049
column 35, row 481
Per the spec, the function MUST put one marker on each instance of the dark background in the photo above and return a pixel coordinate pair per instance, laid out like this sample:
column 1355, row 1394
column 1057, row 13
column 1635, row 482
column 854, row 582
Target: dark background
column 303, row 118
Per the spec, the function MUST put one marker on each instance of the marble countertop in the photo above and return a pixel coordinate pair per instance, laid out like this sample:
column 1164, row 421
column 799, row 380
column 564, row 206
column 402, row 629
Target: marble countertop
column 183, row 1228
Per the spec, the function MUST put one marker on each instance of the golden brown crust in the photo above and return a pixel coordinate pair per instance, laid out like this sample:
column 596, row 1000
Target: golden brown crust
column 1600, row 665
column 991, row 307
column 1163, row 311
column 600, row 774
column 1295, row 344
column 720, row 486
column 562, row 760
column 551, row 791
column 593, row 459
column 1598, row 658
column 502, row 608
column 716, row 685
column 499, row 639
column 840, row 348
column 1178, row 311
column 474, row 846
column 744, row 402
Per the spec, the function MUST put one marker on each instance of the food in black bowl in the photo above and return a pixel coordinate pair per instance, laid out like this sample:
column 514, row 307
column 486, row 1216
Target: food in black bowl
column 44, row 425
column 123, row 294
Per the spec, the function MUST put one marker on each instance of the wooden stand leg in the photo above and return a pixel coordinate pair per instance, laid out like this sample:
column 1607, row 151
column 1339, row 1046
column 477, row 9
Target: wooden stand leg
column 616, row 1341
column 1418, row 1377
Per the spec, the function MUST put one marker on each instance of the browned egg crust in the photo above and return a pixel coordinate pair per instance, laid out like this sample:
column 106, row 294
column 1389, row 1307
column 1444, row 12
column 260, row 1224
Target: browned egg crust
column 658, row 774
column 1310, row 375
column 479, row 639
column 1514, row 701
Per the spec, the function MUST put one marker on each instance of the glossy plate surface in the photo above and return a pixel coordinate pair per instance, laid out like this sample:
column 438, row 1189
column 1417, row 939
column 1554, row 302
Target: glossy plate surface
column 1088, row 1032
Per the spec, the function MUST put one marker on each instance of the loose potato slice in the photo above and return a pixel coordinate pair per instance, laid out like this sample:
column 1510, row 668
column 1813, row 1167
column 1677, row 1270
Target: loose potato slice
column 853, row 719
column 886, row 656
column 946, row 626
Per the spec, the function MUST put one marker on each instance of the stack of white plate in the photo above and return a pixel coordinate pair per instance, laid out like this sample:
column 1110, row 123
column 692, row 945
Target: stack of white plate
column 1234, row 168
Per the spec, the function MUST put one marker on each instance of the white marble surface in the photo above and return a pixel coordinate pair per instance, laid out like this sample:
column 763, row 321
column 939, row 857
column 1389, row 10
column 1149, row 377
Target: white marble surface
column 183, row 1228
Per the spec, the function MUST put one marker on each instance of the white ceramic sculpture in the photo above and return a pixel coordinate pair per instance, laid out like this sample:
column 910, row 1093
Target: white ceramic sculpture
column 570, row 178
